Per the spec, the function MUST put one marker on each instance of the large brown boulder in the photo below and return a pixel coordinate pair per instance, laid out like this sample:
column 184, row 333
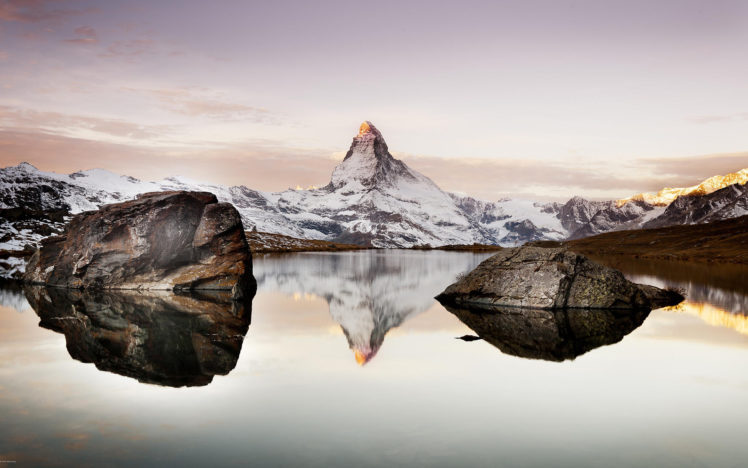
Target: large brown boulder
column 159, row 241
column 551, row 278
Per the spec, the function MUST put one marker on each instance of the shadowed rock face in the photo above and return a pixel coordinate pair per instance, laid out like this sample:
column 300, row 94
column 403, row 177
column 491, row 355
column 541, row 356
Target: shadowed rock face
column 164, row 240
column 698, row 208
column 159, row 337
column 552, row 278
column 552, row 335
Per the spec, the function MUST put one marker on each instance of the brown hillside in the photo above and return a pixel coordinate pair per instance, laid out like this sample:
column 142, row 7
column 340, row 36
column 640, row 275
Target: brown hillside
column 722, row 241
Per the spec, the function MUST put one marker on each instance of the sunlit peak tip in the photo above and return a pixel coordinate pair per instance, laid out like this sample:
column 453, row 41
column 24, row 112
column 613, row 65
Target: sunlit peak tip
column 365, row 128
column 360, row 357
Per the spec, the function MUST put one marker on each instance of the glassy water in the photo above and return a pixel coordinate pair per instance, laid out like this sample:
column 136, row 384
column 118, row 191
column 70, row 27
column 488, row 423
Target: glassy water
column 344, row 359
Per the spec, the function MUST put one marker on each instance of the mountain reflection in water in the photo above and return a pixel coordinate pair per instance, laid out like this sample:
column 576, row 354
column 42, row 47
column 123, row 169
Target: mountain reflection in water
column 713, row 315
column 158, row 338
column 368, row 292
column 551, row 335
column 716, row 293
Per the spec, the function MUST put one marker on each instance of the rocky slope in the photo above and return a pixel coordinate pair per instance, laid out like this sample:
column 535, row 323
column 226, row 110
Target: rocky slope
column 372, row 199
column 726, row 203
column 724, row 241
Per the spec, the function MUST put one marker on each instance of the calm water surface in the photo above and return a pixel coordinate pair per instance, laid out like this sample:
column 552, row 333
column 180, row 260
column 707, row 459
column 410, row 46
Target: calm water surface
column 348, row 361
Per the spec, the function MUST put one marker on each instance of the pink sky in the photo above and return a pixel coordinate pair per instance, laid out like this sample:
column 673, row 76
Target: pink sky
column 543, row 99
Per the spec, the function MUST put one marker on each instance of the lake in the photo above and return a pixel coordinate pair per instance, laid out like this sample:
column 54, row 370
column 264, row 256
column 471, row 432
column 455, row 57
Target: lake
column 348, row 361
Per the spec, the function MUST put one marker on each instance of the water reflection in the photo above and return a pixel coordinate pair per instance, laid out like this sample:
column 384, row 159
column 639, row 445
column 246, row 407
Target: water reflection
column 721, row 285
column 664, row 396
column 716, row 293
column 164, row 339
column 11, row 295
column 552, row 335
column 368, row 293
column 713, row 315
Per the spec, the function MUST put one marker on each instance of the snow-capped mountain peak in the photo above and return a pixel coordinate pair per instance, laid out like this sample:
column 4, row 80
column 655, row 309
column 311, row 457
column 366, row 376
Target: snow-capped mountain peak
column 25, row 167
column 368, row 162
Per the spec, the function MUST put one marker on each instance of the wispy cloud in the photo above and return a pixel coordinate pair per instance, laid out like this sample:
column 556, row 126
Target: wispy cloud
column 690, row 170
column 708, row 119
column 492, row 178
column 195, row 103
column 258, row 164
column 34, row 11
column 495, row 178
column 129, row 48
column 84, row 35
column 66, row 124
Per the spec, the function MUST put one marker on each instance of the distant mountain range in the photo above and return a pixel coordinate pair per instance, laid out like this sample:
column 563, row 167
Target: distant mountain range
column 372, row 199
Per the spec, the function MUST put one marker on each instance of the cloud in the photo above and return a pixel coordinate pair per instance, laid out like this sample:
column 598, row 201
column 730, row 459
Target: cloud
column 212, row 108
column 259, row 165
column 186, row 101
column 129, row 48
column 54, row 141
column 34, row 11
column 495, row 178
column 85, row 35
column 691, row 170
column 66, row 124
column 709, row 119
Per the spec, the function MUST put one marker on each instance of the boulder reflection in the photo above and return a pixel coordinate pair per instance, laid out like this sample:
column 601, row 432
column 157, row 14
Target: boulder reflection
column 158, row 338
column 552, row 335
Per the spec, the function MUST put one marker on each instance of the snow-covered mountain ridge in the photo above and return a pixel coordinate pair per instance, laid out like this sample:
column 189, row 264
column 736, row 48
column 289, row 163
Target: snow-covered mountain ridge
column 371, row 199
column 668, row 195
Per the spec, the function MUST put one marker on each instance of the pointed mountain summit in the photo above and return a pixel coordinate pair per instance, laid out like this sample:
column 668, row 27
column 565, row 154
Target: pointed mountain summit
column 368, row 162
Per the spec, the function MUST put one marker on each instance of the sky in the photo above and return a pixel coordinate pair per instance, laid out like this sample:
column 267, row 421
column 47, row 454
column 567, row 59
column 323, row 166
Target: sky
column 540, row 99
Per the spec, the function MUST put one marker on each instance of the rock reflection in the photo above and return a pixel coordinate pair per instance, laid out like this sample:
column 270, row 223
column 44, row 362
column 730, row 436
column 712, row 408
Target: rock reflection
column 368, row 292
column 158, row 338
column 551, row 335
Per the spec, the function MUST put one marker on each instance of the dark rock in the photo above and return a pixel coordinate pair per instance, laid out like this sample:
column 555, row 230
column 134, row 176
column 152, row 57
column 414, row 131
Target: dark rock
column 164, row 240
column 469, row 338
column 159, row 337
column 552, row 335
column 552, row 278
